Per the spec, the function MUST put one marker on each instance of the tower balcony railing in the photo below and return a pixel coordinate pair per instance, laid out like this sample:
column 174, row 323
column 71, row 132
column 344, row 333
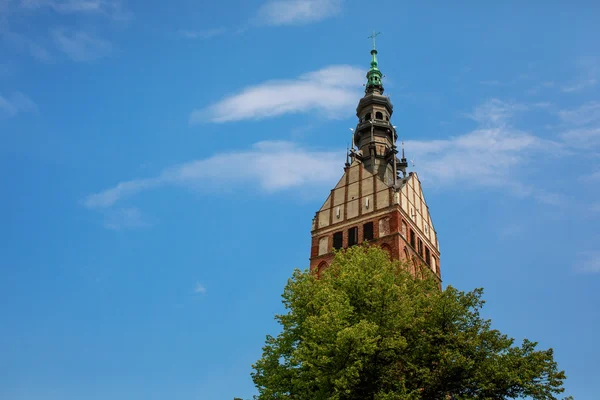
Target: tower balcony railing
column 365, row 125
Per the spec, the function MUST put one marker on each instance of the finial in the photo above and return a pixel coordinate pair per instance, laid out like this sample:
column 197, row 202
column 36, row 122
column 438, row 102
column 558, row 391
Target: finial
column 374, row 75
column 373, row 36
column 347, row 156
column 403, row 148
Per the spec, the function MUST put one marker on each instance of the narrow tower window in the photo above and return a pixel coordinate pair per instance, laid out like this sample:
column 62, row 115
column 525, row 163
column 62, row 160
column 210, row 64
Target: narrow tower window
column 427, row 256
column 412, row 238
column 353, row 236
column 368, row 231
column 368, row 117
column 378, row 115
column 338, row 240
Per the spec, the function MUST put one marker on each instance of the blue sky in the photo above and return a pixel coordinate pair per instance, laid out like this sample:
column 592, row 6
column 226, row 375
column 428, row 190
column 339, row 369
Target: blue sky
column 160, row 166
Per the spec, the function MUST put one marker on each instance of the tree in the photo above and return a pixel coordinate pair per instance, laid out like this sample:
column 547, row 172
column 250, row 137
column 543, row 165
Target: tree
column 366, row 329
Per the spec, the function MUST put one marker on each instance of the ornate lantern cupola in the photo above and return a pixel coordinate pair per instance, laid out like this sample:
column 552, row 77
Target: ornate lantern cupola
column 375, row 137
column 374, row 75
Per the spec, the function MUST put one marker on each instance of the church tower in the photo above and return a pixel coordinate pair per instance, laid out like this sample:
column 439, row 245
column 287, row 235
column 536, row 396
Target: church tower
column 376, row 200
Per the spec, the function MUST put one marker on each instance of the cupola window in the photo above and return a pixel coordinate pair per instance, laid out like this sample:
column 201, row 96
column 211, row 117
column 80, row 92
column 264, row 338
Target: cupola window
column 378, row 115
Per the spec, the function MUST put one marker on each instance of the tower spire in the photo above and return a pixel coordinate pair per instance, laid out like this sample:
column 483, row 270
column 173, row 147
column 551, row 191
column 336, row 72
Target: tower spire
column 403, row 163
column 374, row 75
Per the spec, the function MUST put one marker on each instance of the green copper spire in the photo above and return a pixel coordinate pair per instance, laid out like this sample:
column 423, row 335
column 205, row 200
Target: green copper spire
column 374, row 75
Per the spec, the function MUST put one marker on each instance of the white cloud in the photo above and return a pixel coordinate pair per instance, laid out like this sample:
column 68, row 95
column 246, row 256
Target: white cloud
column 584, row 138
column 272, row 166
column 125, row 218
column 203, row 34
column 492, row 83
column 110, row 196
column 24, row 44
column 15, row 104
column 579, row 86
column 583, row 115
column 6, row 70
column 589, row 73
column 296, row 12
column 80, row 46
column 488, row 156
column 588, row 262
column 332, row 91
column 108, row 8
column 593, row 177
column 585, row 123
column 495, row 112
column 199, row 288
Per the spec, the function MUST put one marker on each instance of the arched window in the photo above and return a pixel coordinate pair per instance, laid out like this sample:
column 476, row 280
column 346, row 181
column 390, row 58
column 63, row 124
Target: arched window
column 417, row 268
column 406, row 255
column 387, row 118
column 321, row 268
column 368, row 117
column 387, row 248
column 378, row 115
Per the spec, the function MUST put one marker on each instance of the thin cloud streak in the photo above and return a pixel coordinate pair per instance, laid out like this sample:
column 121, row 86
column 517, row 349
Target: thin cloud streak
column 15, row 104
column 203, row 34
column 489, row 156
column 297, row 12
column 200, row 289
column 125, row 218
column 23, row 44
column 80, row 46
column 583, row 115
column 584, row 123
column 588, row 262
column 331, row 91
column 276, row 166
column 112, row 9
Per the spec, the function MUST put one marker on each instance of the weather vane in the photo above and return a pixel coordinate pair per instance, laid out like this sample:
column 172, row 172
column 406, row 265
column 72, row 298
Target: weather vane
column 373, row 36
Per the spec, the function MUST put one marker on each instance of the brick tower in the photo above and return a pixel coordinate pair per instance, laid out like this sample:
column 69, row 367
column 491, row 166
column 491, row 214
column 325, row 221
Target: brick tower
column 376, row 200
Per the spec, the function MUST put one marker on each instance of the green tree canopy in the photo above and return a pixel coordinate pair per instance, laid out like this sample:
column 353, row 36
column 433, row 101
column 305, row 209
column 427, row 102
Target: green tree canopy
column 366, row 329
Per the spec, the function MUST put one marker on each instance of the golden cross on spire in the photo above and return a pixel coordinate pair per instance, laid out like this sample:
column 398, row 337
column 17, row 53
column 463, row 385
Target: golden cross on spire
column 373, row 36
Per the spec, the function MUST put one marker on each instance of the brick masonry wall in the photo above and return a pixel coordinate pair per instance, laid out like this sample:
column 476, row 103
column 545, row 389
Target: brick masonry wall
column 393, row 241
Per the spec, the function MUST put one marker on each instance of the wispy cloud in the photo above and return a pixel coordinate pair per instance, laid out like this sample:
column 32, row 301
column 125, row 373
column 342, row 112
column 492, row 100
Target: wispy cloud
column 588, row 262
column 583, row 138
column 108, row 8
column 76, row 43
column 6, row 69
column 589, row 178
column 495, row 112
column 589, row 74
column 585, row 114
column 275, row 166
column 492, row 83
column 487, row 156
column 331, row 91
column 579, row 86
column 296, row 12
column 585, row 126
column 200, row 289
column 125, row 218
column 80, row 46
column 16, row 103
column 202, row 34
column 23, row 44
